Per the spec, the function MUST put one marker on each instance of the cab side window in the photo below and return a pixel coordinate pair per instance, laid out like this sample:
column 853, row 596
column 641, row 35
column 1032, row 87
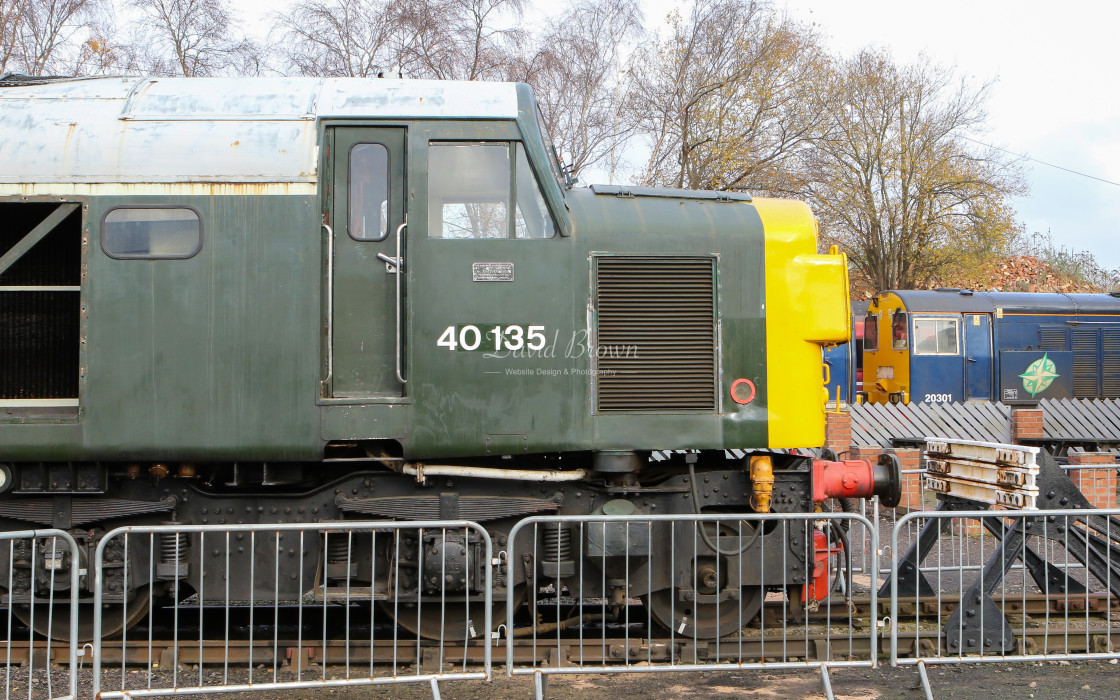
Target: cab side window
column 871, row 333
column 936, row 336
column 471, row 187
column 532, row 217
column 898, row 330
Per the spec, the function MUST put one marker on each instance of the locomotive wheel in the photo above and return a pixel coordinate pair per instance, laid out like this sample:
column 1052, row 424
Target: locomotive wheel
column 685, row 618
column 56, row 624
column 453, row 624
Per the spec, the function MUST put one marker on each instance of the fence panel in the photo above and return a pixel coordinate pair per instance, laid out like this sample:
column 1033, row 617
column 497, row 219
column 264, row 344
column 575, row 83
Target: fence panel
column 42, row 583
column 258, row 607
column 602, row 605
column 1004, row 585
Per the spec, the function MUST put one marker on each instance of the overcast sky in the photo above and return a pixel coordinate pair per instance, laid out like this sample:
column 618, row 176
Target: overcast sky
column 1053, row 96
column 1053, row 99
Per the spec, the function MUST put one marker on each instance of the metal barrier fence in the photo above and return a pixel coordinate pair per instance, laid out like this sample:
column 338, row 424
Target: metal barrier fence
column 306, row 584
column 1088, row 477
column 44, row 567
column 605, row 594
column 712, row 612
column 1004, row 586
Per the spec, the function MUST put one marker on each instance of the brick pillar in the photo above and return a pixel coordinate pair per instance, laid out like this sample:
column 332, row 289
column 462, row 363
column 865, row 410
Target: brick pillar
column 838, row 431
column 910, row 460
column 869, row 452
column 1097, row 480
column 1026, row 424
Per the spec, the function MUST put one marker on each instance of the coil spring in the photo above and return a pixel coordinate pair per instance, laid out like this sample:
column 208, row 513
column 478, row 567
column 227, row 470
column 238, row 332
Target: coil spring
column 338, row 547
column 173, row 547
column 556, row 541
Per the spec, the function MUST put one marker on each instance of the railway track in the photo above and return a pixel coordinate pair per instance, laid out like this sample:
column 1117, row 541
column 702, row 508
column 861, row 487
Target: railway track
column 1070, row 624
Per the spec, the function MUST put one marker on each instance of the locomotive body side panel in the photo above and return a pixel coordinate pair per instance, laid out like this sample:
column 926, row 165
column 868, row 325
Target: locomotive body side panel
column 524, row 342
column 201, row 357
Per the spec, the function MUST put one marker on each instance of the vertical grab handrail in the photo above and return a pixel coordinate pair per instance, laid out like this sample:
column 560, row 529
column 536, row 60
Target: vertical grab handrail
column 400, row 311
column 330, row 306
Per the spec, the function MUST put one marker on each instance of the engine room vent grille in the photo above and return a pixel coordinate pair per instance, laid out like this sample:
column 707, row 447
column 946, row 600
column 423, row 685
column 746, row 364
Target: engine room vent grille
column 1085, row 367
column 1110, row 363
column 1053, row 338
column 655, row 334
column 40, row 302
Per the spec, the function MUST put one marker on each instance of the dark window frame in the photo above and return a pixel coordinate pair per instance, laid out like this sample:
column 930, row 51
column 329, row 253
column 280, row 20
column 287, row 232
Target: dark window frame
column 871, row 321
column 116, row 256
column 900, row 321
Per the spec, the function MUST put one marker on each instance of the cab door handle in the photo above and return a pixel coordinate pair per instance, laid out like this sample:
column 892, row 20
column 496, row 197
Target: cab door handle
column 391, row 263
column 398, row 263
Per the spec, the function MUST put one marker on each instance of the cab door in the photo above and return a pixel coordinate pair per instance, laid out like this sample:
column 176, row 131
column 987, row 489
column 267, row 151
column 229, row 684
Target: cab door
column 977, row 357
column 493, row 308
column 365, row 217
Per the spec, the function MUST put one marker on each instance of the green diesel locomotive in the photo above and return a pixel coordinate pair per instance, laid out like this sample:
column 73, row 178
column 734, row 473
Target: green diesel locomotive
column 294, row 300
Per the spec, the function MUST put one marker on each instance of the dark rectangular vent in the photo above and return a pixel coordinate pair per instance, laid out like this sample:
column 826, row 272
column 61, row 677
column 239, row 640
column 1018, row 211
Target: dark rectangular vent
column 1053, row 338
column 655, row 334
column 40, row 302
column 1085, row 367
column 1110, row 363
column 1110, row 340
column 39, row 341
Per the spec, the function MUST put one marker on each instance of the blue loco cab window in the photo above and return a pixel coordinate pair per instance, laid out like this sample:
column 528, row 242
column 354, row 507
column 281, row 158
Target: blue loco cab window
column 151, row 233
column 936, row 336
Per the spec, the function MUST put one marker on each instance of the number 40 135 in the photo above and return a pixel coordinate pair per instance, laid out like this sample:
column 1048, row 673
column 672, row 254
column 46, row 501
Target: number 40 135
column 492, row 337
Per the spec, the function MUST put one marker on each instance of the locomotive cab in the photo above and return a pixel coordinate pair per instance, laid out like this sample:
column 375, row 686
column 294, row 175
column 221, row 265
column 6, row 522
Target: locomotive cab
column 928, row 347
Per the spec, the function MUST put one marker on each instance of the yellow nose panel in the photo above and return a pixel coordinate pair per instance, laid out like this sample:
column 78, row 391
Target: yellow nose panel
column 807, row 307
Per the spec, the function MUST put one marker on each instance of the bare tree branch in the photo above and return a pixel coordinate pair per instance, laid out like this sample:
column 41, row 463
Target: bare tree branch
column 727, row 98
column 38, row 36
column 577, row 76
column 343, row 38
column 895, row 182
column 192, row 38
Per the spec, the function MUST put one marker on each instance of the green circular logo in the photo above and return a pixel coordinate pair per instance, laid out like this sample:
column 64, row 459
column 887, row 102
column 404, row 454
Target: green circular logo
column 1039, row 375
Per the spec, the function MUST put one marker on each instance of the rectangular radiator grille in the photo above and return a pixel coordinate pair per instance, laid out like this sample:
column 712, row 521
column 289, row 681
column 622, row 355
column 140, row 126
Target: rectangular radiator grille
column 655, row 335
column 1085, row 368
column 40, row 305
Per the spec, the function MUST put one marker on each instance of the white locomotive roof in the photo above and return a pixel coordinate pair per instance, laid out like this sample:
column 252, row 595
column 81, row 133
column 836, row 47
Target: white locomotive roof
column 120, row 131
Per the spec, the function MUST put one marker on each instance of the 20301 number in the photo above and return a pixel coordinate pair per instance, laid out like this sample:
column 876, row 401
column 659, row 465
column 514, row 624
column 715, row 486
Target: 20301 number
column 938, row 398
column 492, row 338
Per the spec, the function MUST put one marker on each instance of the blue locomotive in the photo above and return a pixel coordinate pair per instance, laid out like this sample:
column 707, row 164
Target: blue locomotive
column 952, row 345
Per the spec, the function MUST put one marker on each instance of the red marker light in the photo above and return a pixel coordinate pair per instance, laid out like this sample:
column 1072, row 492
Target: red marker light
column 742, row 391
